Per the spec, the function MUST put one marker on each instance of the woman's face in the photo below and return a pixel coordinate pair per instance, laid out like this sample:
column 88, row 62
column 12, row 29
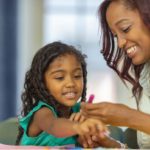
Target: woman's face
column 132, row 34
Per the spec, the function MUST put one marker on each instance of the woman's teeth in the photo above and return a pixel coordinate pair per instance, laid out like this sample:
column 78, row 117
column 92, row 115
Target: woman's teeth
column 131, row 50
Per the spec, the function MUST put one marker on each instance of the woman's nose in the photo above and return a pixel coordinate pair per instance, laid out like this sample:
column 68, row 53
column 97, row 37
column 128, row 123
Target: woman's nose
column 121, row 42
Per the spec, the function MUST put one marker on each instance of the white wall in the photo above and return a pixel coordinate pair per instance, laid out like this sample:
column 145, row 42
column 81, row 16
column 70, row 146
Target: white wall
column 30, row 36
column 34, row 30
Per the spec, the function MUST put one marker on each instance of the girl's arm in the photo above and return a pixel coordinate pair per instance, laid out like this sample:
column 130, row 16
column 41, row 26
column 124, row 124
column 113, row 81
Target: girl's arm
column 45, row 120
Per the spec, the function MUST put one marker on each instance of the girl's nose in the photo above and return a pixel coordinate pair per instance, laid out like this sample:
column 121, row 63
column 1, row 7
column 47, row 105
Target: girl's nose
column 70, row 82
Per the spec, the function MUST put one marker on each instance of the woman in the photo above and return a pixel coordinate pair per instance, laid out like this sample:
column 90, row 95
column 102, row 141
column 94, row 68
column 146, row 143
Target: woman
column 127, row 24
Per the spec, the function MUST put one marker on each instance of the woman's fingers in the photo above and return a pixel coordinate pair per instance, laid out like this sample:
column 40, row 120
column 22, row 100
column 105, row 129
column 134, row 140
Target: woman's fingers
column 109, row 113
column 90, row 106
column 98, row 110
column 83, row 141
column 87, row 142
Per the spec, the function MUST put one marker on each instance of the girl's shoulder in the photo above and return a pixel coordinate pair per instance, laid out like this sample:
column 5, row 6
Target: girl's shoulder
column 43, row 104
column 26, row 119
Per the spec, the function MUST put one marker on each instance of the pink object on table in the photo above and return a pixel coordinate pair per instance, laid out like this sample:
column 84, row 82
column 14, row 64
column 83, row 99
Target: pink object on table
column 18, row 147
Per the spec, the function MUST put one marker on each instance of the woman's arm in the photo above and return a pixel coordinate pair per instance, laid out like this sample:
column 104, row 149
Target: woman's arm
column 139, row 121
column 118, row 115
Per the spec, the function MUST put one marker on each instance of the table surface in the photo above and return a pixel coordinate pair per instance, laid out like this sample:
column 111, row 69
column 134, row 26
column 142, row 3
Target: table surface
column 14, row 147
column 68, row 147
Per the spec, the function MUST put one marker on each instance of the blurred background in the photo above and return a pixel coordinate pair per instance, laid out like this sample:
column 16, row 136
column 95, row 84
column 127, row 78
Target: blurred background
column 27, row 25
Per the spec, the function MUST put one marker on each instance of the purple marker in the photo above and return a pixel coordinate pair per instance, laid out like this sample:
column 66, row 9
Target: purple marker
column 91, row 98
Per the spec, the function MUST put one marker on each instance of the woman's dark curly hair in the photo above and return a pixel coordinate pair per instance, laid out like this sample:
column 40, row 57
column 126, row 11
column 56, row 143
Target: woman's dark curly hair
column 34, row 85
column 116, row 57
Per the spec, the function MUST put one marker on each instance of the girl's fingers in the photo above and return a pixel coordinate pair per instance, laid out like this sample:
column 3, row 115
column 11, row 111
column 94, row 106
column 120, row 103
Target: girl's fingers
column 77, row 117
column 72, row 117
column 82, row 118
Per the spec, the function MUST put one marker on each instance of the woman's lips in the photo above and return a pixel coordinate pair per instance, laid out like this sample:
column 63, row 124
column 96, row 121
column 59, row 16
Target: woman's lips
column 131, row 51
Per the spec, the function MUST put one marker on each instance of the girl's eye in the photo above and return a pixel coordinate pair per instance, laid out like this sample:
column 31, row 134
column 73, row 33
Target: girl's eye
column 78, row 76
column 59, row 78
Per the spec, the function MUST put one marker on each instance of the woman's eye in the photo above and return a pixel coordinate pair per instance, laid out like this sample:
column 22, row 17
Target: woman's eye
column 126, row 29
column 115, row 36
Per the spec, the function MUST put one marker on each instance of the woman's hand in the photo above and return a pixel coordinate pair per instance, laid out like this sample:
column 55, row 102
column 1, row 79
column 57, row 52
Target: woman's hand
column 108, row 142
column 87, row 142
column 109, row 113
column 97, row 140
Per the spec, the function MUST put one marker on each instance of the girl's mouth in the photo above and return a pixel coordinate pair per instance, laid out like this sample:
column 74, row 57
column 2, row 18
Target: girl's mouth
column 70, row 95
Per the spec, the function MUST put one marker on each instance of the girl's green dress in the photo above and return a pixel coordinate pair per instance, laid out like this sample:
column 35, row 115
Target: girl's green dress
column 45, row 139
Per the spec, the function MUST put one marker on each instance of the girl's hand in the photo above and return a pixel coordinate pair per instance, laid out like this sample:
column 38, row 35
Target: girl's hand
column 77, row 117
column 84, row 140
column 90, row 126
column 110, row 113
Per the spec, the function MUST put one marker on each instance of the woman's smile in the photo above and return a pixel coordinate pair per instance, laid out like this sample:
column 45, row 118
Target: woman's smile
column 131, row 52
column 133, row 36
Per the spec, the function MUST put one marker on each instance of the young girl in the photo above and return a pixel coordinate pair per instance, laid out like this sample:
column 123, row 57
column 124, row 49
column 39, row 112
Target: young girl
column 53, row 85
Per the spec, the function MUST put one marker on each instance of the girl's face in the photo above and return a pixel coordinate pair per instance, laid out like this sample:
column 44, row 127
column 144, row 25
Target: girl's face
column 64, row 79
column 132, row 34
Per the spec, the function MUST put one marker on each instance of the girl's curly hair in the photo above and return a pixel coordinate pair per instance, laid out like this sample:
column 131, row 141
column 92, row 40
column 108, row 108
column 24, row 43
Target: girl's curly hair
column 34, row 85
